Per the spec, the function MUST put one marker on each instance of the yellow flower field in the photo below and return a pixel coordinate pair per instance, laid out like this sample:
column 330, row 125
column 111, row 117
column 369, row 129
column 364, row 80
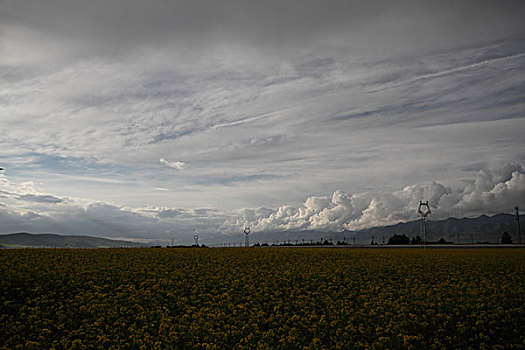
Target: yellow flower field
column 293, row 298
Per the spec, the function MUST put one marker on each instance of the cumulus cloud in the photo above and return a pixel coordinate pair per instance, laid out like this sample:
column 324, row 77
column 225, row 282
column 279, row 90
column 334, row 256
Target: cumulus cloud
column 25, row 208
column 174, row 165
column 491, row 191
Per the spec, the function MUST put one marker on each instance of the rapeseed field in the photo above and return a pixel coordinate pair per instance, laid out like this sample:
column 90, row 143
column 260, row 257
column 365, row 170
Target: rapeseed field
column 250, row 298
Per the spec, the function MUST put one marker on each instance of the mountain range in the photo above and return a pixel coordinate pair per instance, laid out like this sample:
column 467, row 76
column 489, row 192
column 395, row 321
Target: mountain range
column 458, row 230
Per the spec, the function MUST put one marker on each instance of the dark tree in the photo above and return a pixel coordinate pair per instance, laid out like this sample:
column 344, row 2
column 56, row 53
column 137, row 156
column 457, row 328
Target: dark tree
column 398, row 239
column 443, row 241
column 506, row 238
column 416, row 240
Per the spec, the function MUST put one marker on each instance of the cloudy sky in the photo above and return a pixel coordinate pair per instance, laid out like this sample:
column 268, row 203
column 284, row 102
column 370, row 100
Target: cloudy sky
column 155, row 119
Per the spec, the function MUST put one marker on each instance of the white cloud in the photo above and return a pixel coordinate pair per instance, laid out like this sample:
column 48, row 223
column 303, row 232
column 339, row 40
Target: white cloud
column 174, row 165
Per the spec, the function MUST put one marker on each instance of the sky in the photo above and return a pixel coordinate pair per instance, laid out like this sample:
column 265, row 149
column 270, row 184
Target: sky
column 165, row 119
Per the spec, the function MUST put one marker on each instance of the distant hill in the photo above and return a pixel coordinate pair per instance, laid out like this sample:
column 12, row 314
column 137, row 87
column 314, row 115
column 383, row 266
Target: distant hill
column 49, row 240
column 481, row 229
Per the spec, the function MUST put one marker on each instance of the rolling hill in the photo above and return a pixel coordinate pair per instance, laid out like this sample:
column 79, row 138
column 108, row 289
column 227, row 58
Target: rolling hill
column 49, row 240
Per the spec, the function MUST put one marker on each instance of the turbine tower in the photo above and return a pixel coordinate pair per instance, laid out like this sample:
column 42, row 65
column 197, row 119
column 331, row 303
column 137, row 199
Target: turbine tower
column 518, row 220
column 247, row 239
column 424, row 210
column 196, row 238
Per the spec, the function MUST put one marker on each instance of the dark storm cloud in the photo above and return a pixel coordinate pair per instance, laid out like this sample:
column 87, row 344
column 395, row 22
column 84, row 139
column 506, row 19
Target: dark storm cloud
column 41, row 198
column 115, row 25
column 36, row 198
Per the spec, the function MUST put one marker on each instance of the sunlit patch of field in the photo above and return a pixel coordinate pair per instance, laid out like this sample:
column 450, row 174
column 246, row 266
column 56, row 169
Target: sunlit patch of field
column 262, row 298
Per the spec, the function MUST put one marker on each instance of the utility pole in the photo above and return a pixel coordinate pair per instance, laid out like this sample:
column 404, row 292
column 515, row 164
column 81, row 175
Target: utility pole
column 518, row 220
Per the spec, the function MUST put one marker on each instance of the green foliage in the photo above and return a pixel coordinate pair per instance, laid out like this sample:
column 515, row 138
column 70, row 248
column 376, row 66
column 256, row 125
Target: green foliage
column 294, row 298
